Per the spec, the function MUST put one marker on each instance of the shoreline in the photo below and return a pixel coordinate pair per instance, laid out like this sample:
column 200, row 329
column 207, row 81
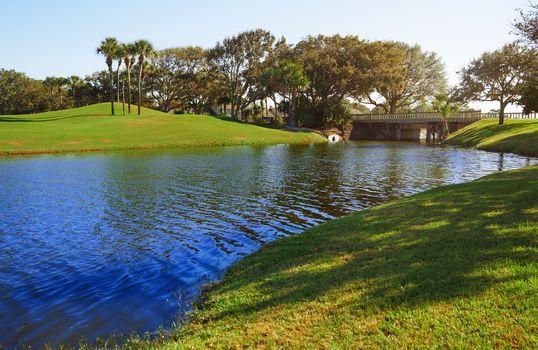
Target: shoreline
column 8, row 154
column 517, row 136
column 221, row 296
column 213, row 303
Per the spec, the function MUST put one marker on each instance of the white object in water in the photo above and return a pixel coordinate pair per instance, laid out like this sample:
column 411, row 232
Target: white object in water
column 333, row 138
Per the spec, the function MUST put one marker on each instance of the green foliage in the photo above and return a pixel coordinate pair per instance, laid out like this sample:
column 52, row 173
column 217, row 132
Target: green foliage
column 21, row 94
column 238, row 64
column 497, row 76
column 182, row 78
column 332, row 65
column 529, row 95
column 444, row 105
column 527, row 25
column 283, row 77
column 286, row 79
column 401, row 76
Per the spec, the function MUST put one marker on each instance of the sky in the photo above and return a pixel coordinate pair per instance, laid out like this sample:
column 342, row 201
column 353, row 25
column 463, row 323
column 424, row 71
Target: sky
column 59, row 37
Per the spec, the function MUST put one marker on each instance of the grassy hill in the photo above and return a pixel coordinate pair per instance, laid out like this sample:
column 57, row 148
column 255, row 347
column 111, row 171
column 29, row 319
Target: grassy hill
column 454, row 267
column 92, row 128
column 515, row 136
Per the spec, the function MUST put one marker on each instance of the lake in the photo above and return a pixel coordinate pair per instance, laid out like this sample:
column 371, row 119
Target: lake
column 92, row 244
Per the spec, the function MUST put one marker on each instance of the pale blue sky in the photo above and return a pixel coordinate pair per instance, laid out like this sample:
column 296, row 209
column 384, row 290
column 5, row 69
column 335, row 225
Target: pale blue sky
column 59, row 37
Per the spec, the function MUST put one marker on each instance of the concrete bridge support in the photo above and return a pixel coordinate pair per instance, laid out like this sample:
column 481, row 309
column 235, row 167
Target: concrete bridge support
column 430, row 127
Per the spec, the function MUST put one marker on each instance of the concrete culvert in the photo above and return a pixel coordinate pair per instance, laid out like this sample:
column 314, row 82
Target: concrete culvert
column 333, row 138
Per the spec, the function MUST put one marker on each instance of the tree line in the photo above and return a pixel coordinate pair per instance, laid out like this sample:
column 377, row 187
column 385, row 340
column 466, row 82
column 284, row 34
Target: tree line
column 313, row 83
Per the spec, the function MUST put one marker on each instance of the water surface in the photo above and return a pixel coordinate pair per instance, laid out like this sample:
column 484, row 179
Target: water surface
column 120, row 242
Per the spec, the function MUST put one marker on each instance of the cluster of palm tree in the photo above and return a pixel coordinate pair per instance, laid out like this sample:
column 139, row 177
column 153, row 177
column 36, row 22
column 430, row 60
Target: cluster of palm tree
column 125, row 54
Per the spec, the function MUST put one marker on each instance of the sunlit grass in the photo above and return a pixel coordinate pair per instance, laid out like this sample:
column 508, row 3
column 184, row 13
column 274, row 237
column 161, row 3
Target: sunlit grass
column 93, row 128
column 411, row 273
column 516, row 136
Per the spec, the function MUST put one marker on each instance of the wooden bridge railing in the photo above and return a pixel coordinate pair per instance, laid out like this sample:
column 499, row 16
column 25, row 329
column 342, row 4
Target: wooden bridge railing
column 428, row 117
column 419, row 117
column 511, row 115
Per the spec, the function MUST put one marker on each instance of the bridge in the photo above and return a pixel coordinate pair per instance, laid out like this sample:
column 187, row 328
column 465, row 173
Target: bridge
column 428, row 126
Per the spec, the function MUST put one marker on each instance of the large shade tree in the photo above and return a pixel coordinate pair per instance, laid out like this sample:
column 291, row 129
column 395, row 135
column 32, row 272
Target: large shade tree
column 401, row 76
column 109, row 48
column 526, row 27
column 22, row 94
column 238, row 62
column 287, row 80
column 182, row 78
column 333, row 66
column 497, row 76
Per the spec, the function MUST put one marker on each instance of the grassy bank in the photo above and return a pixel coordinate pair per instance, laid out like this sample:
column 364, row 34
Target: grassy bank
column 456, row 266
column 91, row 128
column 515, row 136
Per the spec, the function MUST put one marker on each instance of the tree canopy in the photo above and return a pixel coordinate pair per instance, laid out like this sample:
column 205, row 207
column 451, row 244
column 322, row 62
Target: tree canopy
column 526, row 26
column 401, row 76
column 238, row 63
column 497, row 76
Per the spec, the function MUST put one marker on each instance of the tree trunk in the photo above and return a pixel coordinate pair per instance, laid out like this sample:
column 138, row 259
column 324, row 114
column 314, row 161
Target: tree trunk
column 501, row 113
column 129, row 98
column 111, row 74
column 118, row 83
column 123, row 97
column 140, row 87
column 444, row 132
column 293, row 106
column 392, row 108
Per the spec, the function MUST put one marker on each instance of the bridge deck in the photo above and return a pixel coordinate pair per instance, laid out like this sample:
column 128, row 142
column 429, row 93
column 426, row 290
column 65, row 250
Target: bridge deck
column 433, row 117
column 416, row 118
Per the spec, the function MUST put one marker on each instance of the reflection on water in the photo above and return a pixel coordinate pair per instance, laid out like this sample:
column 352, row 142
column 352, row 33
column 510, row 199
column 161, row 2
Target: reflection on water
column 93, row 244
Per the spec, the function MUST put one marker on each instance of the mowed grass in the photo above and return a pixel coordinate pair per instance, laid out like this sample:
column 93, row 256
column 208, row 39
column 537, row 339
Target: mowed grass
column 92, row 128
column 515, row 136
column 454, row 267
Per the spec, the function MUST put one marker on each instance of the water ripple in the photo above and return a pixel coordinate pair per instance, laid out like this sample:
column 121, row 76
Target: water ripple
column 122, row 242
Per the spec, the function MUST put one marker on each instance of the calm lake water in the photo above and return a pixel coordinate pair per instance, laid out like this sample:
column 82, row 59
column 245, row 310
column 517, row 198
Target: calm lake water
column 121, row 242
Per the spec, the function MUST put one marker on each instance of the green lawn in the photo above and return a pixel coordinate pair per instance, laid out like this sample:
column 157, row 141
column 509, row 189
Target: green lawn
column 454, row 267
column 93, row 128
column 515, row 136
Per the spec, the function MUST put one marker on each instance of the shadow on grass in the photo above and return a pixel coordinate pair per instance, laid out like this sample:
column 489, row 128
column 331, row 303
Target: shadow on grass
column 264, row 125
column 478, row 133
column 446, row 243
column 525, row 143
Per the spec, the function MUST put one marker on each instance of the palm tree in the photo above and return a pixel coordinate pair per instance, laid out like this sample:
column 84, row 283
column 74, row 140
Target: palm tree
column 74, row 83
column 60, row 84
column 224, row 100
column 446, row 107
column 129, row 50
column 118, row 55
column 50, row 83
column 108, row 48
column 144, row 50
